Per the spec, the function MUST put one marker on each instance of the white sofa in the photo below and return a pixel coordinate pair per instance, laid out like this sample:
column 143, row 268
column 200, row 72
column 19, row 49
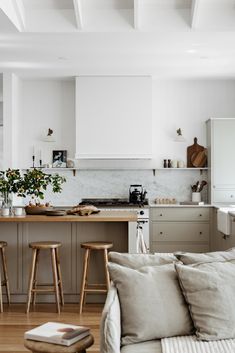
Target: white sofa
column 111, row 335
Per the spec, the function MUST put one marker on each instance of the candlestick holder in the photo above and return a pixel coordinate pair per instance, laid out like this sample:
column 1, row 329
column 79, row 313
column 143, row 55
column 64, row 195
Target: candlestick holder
column 33, row 158
column 40, row 163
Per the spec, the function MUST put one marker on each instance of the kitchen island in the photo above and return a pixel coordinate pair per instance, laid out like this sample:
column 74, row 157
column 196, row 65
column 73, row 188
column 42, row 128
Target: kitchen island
column 71, row 231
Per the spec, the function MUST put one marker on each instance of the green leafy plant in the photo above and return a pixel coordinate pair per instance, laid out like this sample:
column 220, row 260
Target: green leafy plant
column 36, row 182
column 11, row 181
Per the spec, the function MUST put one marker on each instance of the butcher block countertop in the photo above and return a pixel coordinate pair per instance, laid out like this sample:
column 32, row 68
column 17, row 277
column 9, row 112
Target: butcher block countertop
column 102, row 216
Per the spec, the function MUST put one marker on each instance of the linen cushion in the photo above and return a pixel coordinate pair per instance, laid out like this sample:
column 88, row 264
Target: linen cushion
column 110, row 326
column 193, row 258
column 139, row 260
column 209, row 289
column 152, row 305
column 143, row 347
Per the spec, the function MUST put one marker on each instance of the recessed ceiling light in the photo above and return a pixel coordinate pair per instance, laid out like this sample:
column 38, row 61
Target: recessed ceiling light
column 62, row 58
column 191, row 51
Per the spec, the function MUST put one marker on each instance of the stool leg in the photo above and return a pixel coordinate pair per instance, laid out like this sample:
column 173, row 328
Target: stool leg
column 106, row 269
column 59, row 276
column 4, row 264
column 86, row 279
column 86, row 256
column 1, row 304
column 35, row 275
column 31, row 280
column 55, row 276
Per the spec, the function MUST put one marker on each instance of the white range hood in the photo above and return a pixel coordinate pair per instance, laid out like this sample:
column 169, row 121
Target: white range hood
column 114, row 117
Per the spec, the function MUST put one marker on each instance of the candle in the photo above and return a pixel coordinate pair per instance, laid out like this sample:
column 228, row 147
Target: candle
column 33, row 150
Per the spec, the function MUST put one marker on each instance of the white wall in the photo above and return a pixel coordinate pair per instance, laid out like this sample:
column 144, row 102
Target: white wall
column 46, row 104
column 11, row 115
column 187, row 104
column 1, row 121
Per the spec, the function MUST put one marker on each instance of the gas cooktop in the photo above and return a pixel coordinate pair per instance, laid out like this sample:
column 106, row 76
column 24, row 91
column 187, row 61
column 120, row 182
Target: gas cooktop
column 112, row 202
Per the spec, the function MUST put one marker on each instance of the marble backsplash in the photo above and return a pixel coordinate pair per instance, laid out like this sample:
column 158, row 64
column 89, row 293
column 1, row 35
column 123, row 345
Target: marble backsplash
column 115, row 183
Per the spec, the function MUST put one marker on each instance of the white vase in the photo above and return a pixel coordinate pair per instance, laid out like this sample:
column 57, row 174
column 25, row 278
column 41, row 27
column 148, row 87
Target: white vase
column 196, row 197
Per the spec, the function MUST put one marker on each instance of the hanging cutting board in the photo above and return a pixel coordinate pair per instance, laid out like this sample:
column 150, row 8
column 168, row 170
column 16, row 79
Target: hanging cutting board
column 192, row 151
column 199, row 159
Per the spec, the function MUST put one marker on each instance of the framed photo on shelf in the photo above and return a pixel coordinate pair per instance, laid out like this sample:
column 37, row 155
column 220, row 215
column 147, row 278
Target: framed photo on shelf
column 59, row 159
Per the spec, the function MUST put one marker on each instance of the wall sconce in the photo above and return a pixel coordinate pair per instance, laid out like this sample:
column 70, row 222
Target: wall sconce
column 49, row 137
column 179, row 137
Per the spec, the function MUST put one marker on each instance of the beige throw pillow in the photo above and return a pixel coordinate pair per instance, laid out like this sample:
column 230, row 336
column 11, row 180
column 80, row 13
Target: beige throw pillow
column 152, row 305
column 139, row 260
column 193, row 258
column 209, row 290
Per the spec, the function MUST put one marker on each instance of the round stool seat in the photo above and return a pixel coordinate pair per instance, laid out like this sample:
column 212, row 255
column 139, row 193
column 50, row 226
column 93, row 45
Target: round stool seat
column 44, row 347
column 3, row 244
column 97, row 245
column 45, row 245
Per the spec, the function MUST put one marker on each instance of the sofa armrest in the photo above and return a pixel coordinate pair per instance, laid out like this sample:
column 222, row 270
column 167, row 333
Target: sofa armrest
column 110, row 328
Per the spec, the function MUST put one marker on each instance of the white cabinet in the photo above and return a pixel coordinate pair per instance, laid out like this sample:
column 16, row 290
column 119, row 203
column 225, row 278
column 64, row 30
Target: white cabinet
column 113, row 117
column 180, row 229
column 221, row 146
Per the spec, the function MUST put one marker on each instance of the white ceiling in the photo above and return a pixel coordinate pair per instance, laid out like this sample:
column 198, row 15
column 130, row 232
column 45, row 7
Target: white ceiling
column 163, row 38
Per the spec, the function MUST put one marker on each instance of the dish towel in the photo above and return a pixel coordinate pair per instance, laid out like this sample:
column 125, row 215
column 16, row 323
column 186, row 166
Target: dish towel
column 190, row 344
column 141, row 247
column 224, row 223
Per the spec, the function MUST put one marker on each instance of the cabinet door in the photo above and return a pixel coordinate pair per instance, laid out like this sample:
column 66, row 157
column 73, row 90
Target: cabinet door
column 223, row 153
column 113, row 117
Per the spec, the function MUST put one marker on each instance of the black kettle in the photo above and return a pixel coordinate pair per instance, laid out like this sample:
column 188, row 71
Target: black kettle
column 137, row 194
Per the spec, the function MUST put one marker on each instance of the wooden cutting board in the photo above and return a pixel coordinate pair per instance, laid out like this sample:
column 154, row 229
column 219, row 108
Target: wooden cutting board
column 199, row 159
column 193, row 150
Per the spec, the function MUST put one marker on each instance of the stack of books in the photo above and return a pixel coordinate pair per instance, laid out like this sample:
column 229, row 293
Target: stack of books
column 57, row 333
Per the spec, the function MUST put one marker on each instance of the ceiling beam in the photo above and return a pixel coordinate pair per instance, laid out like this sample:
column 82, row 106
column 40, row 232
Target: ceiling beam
column 195, row 13
column 78, row 13
column 137, row 14
column 14, row 10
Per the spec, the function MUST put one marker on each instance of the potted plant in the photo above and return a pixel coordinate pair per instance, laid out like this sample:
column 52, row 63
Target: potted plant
column 35, row 183
column 11, row 182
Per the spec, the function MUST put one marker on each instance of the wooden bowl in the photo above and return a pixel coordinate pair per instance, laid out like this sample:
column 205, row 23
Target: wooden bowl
column 37, row 210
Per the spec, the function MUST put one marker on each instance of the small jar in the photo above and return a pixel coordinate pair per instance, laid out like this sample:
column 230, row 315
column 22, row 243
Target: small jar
column 169, row 163
column 165, row 163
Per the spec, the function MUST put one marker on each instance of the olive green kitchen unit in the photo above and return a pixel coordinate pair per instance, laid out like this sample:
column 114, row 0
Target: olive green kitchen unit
column 180, row 229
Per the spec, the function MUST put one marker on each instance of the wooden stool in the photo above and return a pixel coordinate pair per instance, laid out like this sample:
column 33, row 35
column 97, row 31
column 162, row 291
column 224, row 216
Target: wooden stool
column 5, row 282
column 93, row 288
column 43, row 347
column 57, row 285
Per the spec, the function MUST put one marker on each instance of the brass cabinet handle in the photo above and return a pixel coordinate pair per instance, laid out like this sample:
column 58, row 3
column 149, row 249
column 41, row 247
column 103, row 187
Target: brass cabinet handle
column 161, row 232
column 160, row 214
column 200, row 232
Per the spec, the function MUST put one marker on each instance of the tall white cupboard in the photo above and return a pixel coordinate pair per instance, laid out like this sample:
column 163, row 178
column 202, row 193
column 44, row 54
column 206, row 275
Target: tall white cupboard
column 221, row 147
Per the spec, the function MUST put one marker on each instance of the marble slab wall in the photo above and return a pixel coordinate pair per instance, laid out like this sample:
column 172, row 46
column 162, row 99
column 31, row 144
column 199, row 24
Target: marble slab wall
column 115, row 183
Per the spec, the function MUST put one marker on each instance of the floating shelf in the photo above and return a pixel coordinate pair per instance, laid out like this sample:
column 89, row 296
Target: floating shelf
column 198, row 169
column 56, row 169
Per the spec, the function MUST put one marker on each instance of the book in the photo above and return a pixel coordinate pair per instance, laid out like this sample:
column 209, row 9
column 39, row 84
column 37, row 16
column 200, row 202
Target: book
column 57, row 333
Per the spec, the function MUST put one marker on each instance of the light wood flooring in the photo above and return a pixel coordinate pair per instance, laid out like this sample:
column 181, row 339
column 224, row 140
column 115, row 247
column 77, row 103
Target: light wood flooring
column 14, row 322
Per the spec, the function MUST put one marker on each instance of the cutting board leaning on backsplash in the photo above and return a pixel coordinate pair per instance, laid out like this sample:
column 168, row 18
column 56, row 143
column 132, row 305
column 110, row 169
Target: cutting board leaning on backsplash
column 196, row 155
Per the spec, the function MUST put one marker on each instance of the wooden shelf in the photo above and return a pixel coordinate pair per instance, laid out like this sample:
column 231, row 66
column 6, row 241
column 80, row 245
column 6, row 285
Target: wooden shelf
column 55, row 169
column 198, row 169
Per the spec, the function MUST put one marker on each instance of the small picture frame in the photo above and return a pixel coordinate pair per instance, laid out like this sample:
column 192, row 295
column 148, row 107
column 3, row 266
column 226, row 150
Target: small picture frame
column 59, row 159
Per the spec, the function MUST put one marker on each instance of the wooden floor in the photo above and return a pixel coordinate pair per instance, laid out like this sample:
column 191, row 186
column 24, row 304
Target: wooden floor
column 14, row 322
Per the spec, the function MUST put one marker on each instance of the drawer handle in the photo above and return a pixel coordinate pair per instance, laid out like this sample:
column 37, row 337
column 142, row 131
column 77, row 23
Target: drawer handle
column 161, row 233
column 200, row 215
column 200, row 232
column 231, row 196
column 160, row 214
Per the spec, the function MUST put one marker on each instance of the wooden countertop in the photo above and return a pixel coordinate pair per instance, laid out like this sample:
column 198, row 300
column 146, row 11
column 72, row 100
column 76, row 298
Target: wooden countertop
column 103, row 216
